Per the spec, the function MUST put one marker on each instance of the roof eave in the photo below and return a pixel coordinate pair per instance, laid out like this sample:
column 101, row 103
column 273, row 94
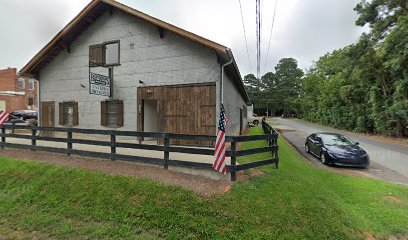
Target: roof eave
column 28, row 68
column 240, row 80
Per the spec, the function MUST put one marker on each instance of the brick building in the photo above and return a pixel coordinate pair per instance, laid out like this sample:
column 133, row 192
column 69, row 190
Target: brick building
column 17, row 92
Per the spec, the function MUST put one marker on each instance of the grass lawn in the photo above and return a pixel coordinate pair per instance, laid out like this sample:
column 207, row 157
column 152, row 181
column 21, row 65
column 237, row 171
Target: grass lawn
column 297, row 201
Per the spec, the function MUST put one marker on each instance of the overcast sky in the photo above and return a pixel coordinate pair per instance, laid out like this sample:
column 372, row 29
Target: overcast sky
column 303, row 29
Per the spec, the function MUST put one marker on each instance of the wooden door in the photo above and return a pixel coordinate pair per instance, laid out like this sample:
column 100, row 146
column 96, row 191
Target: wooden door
column 47, row 116
column 188, row 109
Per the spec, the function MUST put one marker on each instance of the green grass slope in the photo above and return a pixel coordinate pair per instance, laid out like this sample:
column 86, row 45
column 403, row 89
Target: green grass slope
column 297, row 201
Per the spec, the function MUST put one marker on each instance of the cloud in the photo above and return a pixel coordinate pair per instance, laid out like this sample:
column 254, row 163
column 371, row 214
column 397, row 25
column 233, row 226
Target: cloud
column 304, row 30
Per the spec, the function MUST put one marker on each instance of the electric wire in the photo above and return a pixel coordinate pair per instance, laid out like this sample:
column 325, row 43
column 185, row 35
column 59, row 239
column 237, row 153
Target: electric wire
column 243, row 27
column 270, row 36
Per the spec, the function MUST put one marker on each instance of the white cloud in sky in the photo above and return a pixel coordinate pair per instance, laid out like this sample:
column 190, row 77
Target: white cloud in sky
column 304, row 30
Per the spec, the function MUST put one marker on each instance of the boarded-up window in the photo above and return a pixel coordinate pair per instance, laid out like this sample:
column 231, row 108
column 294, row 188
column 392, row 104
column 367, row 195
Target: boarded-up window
column 112, row 113
column 68, row 114
column 96, row 55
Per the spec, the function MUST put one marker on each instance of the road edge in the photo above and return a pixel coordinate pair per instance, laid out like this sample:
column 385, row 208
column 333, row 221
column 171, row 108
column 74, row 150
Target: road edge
column 379, row 138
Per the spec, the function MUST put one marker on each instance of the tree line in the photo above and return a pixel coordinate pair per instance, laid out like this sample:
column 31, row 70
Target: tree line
column 362, row 87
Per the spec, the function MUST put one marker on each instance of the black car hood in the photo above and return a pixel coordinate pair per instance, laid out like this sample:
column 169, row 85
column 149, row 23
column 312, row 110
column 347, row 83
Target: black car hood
column 345, row 151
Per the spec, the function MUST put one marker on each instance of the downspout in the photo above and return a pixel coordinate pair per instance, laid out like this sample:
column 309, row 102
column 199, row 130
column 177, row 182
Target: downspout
column 222, row 80
column 38, row 102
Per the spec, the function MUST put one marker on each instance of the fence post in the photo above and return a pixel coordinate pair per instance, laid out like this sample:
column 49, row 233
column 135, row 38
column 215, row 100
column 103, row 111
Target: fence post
column 276, row 152
column 166, row 142
column 113, row 146
column 33, row 139
column 233, row 160
column 69, row 143
column 3, row 139
column 13, row 124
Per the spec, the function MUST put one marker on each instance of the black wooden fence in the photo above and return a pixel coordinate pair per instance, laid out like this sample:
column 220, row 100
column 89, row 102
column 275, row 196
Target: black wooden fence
column 166, row 148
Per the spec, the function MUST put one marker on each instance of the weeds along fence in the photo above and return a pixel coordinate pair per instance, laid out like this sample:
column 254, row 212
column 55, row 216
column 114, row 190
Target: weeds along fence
column 268, row 129
column 32, row 133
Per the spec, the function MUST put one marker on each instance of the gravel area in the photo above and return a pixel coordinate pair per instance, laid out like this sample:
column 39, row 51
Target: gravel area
column 203, row 186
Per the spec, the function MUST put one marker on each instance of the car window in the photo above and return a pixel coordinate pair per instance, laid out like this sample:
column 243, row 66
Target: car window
column 336, row 140
column 313, row 136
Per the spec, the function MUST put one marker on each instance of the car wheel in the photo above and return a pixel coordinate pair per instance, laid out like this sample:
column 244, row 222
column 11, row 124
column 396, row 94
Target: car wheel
column 255, row 122
column 322, row 158
column 307, row 148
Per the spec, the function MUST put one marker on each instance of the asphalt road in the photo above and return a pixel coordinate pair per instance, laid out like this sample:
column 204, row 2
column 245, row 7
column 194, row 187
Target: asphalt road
column 389, row 161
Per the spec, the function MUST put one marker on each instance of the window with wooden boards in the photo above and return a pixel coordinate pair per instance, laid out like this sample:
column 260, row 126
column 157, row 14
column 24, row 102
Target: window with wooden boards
column 104, row 55
column 68, row 114
column 96, row 55
column 112, row 113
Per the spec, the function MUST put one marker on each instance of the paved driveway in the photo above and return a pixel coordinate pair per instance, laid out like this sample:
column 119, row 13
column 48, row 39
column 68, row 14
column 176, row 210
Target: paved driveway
column 389, row 161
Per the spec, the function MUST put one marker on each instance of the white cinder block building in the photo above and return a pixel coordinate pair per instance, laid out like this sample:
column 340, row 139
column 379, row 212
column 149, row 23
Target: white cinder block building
column 113, row 67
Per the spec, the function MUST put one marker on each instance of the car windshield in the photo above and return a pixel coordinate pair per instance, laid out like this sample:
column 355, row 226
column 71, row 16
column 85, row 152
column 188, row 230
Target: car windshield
column 336, row 140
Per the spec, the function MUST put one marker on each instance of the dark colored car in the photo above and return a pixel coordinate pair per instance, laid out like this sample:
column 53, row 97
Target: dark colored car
column 336, row 149
column 25, row 114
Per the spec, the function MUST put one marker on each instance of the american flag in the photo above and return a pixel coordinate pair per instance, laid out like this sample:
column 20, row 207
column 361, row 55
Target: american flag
column 219, row 163
column 4, row 116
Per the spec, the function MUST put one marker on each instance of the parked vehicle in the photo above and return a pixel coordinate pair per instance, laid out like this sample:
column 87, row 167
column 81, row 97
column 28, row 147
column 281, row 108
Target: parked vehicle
column 13, row 120
column 336, row 149
column 255, row 120
column 25, row 114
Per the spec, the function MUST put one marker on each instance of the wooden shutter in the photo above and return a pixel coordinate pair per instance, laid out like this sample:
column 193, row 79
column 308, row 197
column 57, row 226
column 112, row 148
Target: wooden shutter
column 120, row 113
column 61, row 114
column 75, row 120
column 96, row 55
column 104, row 108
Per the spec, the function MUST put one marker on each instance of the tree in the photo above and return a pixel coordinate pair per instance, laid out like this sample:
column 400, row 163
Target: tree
column 276, row 91
column 381, row 15
column 252, row 85
column 364, row 86
column 286, row 86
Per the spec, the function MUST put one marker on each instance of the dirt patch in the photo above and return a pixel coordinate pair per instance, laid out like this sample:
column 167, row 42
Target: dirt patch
column 398, row 237
column 393, row 199
column 9, row 232
column 203, row 186
column 370, row 237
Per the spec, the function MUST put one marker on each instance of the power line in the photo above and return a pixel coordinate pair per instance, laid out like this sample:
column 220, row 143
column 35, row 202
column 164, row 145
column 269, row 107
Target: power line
column 258, row 38
column 243, row 27
column 270, row 36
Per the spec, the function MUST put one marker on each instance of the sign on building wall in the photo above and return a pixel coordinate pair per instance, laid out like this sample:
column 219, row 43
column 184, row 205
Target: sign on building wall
column 99, row 84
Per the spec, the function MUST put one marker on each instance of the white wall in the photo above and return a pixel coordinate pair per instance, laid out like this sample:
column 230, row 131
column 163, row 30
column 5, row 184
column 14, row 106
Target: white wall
column 233, row 102
column 250, row 112
column 155, row 61
column 3, row 105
